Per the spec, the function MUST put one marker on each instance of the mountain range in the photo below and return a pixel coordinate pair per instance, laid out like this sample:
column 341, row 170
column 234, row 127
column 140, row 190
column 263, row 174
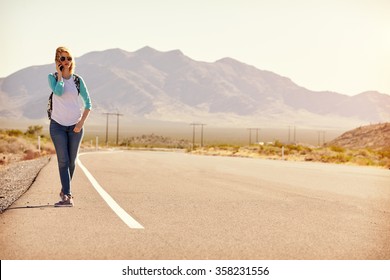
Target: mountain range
column 170, row 87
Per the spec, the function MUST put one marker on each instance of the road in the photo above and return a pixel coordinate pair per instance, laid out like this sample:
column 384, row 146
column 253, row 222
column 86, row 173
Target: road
column 203, row 207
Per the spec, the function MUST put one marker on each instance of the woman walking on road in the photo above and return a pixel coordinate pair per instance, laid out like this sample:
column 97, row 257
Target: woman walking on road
column 67, row 118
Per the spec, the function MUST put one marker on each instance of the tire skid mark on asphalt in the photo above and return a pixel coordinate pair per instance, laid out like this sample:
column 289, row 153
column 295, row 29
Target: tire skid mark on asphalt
column 122, row 214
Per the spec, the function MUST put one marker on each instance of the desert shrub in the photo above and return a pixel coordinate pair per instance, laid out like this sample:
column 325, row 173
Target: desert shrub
column 278, row 144
column 337, row 149
column 384, row 153
column 361, row 160
column 363, row 153
column 23, row 145
column 14, row 132
column 253, row 149
column 287, row 152
column 270, row 150
column 227, row 147
column 292, row 147
column 13, row 145
column 305, row 151
column 31, row 154
column 332, row 157
column 16, row 146
column 34, row 130
column 3, row 146
column 47, row 148
column 300, row 149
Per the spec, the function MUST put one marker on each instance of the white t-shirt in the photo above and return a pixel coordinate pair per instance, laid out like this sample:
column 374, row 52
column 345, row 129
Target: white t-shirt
column 67, row 108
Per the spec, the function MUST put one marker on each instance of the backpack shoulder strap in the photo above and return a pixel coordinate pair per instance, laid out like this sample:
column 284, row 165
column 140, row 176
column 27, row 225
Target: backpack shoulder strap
column 76, row 79
column 50, row 101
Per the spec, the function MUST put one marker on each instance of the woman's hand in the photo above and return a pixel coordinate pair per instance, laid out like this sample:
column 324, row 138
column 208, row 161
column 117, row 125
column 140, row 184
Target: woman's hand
column 58, row 68
column 80, row 124
column 78, row 127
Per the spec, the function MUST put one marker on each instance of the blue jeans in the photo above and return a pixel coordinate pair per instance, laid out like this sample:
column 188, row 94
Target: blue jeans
column 66, row 143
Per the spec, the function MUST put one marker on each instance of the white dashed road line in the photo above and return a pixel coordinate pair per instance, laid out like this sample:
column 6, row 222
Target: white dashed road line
column 122, row 214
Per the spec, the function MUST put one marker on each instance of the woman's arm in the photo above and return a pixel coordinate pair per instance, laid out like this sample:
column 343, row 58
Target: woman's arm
column 81, row 122
column 85, row 94
column 87, row 106
column 57, row 87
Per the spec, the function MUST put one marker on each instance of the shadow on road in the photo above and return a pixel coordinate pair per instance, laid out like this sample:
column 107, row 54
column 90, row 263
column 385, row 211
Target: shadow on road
column 31, row 206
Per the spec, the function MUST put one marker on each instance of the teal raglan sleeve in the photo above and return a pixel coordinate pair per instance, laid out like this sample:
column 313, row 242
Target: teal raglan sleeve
column 56, row 87
column 85, row 95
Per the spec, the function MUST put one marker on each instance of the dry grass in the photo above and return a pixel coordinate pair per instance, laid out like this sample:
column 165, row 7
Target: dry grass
column 332, row 154
column 154, row 141
column 366, row 145
column 16, row 145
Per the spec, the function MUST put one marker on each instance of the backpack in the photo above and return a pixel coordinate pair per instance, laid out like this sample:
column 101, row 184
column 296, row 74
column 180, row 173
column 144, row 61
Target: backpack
column 50, row 101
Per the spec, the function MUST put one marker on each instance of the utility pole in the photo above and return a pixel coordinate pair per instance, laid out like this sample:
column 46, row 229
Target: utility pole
column 319, row 133
column 107, row 114
column 201, row 134
column 250, row 135
column 295, row 134
column 193, row 133
column 323, row 139
column 289, row 132
column 319, row 137
column 117, row 126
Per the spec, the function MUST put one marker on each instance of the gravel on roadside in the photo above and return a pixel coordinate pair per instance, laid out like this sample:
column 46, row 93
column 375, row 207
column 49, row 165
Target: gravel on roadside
column 16, row 178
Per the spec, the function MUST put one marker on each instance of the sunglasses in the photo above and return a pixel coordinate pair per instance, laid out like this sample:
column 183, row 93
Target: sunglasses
column 62, row 58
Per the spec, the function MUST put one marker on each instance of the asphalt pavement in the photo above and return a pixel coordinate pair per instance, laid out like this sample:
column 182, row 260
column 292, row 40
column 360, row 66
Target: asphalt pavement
column 173, row 205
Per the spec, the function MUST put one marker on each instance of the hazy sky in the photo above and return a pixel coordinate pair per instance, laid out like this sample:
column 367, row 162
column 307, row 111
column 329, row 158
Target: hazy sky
column 336, row 45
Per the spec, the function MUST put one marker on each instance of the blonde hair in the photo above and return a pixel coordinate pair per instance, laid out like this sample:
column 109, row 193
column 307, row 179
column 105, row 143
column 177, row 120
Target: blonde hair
column 60, row 50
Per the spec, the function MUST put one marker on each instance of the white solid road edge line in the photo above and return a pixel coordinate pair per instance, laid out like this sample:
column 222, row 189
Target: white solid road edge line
column 122, row 214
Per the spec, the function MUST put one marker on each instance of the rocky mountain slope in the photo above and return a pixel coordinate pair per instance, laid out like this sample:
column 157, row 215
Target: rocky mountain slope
column 376, row 136
column 169, row 86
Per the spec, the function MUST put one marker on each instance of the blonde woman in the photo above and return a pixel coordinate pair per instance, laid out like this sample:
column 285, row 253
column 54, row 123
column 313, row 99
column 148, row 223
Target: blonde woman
column 67, row 118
